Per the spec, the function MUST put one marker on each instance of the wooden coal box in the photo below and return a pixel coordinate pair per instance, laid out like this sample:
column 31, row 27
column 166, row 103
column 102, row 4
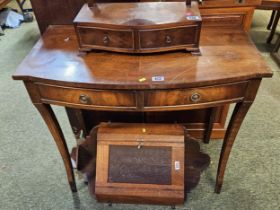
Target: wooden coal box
column 140, row 163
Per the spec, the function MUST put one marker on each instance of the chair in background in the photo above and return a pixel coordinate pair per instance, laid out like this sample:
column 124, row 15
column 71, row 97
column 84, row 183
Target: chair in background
column 273, row 5
column 28, row 17
column 276, row 52
column 3, row 3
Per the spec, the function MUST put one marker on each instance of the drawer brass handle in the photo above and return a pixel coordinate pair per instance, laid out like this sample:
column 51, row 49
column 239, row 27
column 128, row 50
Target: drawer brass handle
column 168, row 39
column 239, row 1
column 195, row 97
column 84, row 99
column 106, row 39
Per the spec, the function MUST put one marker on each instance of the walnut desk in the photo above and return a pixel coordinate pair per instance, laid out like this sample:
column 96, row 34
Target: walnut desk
column 230, row 70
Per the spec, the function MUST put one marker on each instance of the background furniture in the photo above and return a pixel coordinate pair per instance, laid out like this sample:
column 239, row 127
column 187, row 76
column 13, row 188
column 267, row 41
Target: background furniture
column 226, row 13
column 276, row 52
column 27, row 16
column 3, row 3
column 21, row 6
column 273, row 5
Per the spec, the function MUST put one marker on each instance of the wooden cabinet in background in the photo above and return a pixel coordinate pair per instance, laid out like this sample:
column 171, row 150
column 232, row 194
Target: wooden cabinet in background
column 239, row 17
column 63, row 12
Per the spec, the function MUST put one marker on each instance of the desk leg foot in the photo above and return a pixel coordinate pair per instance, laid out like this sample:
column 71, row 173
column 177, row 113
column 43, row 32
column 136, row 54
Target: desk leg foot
column 209, row 125
column 218, row 188
column 73, row 187
column 52, row 123
column 237, row 117
column 195, row 52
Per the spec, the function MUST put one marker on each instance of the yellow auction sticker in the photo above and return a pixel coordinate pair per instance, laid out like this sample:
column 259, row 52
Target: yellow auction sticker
column 143, row 79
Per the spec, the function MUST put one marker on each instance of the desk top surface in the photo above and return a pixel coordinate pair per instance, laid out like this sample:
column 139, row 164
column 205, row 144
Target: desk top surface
column 227, row 56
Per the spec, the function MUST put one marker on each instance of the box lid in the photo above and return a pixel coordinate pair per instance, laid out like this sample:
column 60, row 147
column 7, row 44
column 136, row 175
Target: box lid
column 138, row 132
column 140, row 14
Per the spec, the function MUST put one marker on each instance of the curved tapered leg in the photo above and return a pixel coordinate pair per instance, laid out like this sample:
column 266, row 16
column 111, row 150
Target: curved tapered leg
column 52, row 123
column 271, row 20
column 276, row 52
column 236, row 120
column 274, row 26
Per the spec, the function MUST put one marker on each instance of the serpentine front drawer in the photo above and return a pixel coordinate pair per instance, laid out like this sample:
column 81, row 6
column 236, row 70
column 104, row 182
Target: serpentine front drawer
column 174, row 99
column 142, row 100
column 88, row 98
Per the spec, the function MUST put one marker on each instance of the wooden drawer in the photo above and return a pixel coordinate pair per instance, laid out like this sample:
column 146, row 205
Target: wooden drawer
column 199, row 96
column 169, row 37
column 223, row 20
column 239, row 17
column 95, row 98
column 101, row 38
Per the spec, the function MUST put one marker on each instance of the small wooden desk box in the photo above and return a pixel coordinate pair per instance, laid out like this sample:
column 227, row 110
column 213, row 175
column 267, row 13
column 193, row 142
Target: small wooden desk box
column 139, row 163
column 143, row 27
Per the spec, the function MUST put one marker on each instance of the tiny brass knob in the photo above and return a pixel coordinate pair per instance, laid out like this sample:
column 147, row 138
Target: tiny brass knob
column 239, row 1
column 106, row 39
column 195, row 97
column 84, row 99
column 168, row 39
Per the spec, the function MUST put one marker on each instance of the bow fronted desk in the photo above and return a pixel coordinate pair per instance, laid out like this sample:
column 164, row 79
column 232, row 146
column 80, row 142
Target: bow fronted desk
column 229, row 71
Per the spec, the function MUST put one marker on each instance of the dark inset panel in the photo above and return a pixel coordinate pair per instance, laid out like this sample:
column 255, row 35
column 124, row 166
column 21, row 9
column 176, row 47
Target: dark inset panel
column 147, row 165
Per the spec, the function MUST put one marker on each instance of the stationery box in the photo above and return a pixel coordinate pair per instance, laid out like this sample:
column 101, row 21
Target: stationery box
column 143, row 27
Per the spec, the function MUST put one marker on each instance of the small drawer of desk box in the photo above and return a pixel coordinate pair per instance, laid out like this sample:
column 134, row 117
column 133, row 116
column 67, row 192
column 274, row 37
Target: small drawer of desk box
column 102, row 38
column 196, row 96
column 169, row 37
column 87, row 97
